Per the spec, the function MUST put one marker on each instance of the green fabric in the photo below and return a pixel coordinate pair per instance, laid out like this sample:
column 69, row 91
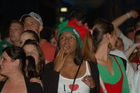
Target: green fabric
column 108, row 78
column 132, row 56
column 72, row 30
column 3, row 44
column 62, row 25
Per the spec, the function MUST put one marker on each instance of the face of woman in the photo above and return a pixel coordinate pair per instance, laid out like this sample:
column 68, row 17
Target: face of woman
column 31, row 50
column 113, row 39
column 53, row 41
column 24, row 37
column 68, row 42
column 6, row 64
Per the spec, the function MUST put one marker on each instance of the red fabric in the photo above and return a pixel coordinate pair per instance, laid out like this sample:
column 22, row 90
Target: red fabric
column 83, row 31
column 135, row 59
column 48, row 51
column 114, row 88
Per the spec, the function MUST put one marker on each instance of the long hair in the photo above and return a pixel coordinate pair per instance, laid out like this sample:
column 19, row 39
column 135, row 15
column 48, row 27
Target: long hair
column 31, row 67
column 87, row 49
column 100, row 28
column 41, row 63
column 78, row 57
column 90, row 46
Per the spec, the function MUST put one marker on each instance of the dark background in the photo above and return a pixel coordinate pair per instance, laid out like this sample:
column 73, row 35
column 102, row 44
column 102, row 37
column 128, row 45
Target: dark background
column 49, row 9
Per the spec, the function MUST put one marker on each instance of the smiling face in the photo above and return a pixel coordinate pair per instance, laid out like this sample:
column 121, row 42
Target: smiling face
column 68, row 42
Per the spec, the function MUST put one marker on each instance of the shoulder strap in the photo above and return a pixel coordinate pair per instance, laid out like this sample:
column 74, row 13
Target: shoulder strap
column 124, row 61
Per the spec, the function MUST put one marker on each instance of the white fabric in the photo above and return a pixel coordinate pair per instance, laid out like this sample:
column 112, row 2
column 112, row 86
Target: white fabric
column 137, row 82
column 127, row 42
column 34, row 15
column 130, row 76
column 119, row 53
column 65, row 84
column 129, row 70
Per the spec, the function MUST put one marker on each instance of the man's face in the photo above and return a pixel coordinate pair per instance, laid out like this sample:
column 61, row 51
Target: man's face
column 15, row 31
column 31, row 24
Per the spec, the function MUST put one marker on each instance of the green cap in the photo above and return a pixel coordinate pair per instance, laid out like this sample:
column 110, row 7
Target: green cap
column 72, row 30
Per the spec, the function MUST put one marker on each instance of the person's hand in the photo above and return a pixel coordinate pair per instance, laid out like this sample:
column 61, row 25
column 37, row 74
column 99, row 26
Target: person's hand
column 59, row 60
column 89, row 81
column 133, row 14
column 2, row 78
column 37, row 80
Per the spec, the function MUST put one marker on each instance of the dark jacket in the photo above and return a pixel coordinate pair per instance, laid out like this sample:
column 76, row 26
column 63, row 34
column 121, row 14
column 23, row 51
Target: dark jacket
column 32, row 87
column 50, row 78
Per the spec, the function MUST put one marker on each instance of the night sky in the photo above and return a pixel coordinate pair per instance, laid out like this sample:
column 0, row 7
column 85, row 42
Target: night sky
column 49, row 9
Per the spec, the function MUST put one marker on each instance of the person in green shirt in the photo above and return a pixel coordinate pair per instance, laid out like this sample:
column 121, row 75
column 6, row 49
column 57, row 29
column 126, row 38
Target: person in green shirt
column 15, row 30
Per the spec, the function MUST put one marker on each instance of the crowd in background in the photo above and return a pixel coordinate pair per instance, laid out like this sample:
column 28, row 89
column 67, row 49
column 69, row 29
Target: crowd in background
column 71, row 57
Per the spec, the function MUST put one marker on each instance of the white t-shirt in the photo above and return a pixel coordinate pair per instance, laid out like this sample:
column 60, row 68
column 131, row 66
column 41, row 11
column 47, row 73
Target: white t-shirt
column 65, row 84
column 127, row 42
column 137, row 82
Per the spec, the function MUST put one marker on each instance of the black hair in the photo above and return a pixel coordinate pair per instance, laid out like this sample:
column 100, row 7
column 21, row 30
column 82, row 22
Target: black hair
column 31, row 67
column 78, row 13
column 40, row 65
column 136, row 34
column 47, row 33
column 78, row 56
column 14, row 53
column 137, row 20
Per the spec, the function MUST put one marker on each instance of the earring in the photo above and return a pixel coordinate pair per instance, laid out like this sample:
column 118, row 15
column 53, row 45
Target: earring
column 109, row 46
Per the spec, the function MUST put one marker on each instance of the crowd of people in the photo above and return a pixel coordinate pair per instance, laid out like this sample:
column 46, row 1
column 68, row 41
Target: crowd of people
column 70, row 58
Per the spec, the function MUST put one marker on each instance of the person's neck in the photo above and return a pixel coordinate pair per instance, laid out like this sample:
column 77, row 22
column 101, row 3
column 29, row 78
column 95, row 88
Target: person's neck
column 16, row 43
column 101, row 54
column 69, row 60
column 17, row 76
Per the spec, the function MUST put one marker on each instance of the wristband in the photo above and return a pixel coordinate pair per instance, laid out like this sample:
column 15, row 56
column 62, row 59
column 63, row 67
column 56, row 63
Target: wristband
column 128, row 15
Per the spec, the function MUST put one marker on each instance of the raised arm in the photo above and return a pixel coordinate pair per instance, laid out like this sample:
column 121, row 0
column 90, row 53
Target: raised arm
column 129, row 51
column 131, row 14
